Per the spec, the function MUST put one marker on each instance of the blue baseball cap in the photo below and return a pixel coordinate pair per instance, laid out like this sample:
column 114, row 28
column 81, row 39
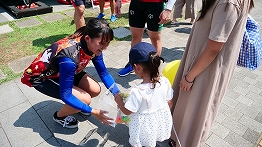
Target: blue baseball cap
column 140, row 52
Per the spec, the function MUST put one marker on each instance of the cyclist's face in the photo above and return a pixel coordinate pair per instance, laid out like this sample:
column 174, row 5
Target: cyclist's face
column 95, row 45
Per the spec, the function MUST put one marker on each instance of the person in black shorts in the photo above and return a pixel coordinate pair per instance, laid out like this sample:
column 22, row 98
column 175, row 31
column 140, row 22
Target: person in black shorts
column 79, row 6
column 152, row 12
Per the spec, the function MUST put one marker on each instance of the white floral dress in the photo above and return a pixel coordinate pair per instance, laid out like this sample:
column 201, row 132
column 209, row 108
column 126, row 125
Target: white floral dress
column 151, row 119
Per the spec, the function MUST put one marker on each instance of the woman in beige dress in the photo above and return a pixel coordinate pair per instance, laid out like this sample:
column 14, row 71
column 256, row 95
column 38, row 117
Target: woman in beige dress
column 206, row 68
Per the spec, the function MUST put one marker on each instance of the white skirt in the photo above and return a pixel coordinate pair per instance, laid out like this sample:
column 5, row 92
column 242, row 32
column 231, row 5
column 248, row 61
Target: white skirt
column 146, row 129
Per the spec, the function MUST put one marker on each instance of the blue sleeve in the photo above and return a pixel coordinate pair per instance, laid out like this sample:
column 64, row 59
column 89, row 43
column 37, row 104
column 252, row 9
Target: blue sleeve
column 67, row 70
column 106, row 78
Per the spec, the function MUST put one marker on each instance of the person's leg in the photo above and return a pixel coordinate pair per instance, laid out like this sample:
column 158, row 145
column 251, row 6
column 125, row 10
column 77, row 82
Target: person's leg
column 137, row 22
column 136, row 34
column 86, row 89
column 190, row 11
column 101, row 7
column 51, row 88
column 81, row 95
column 79, row 18
column 178, row 9
column 112, row 8
column 154, row 29
column 155, row 38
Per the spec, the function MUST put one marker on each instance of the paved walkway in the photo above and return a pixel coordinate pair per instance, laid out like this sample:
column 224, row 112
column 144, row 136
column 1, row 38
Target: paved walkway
column 26, row 115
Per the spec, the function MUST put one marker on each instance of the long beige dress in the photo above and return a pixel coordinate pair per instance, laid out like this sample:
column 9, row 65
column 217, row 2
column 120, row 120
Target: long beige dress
column 195, row 111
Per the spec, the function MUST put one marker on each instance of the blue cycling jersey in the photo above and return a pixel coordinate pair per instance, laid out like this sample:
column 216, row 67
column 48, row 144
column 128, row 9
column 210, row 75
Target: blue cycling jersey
column 67, row 70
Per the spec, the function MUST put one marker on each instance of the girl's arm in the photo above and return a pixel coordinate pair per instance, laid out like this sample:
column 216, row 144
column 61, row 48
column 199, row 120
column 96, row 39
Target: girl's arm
column 67, row 70
column 121, row 105
column 106, row 78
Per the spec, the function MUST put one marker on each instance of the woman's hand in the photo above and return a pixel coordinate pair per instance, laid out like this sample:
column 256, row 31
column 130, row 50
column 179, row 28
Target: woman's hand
column 100, row 115
column 185, row 84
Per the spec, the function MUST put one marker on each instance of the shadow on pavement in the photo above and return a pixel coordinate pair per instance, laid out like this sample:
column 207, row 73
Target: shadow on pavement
column 43, row 123
column 118, row 134
column 185, row 30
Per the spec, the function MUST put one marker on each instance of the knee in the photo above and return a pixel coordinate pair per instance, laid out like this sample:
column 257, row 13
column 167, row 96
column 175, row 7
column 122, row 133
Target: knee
column 155, row 38
column 80, row 10
column 95, row 91
column 87, row 99
column 155, row 41
column 137, row 38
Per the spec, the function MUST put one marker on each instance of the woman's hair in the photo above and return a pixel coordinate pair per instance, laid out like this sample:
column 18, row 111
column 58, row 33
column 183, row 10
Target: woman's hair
column 95, row 28
column 152, row 67
column 207, row 4
column 252, row 5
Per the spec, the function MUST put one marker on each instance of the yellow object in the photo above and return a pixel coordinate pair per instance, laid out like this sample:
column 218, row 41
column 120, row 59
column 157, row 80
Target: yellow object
column 29, row 71
column 170, row 70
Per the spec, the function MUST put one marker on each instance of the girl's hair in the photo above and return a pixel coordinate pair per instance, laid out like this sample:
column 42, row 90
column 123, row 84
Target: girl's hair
column 152, row 67
column 95, row 28
column 207, row 4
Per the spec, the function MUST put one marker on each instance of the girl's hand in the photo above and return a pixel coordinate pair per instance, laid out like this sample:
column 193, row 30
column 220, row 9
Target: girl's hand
column 185, row 84
column 118, row 99
column 100, row 115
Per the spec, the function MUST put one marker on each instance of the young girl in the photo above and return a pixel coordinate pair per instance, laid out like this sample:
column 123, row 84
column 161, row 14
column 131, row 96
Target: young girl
column 147, row 103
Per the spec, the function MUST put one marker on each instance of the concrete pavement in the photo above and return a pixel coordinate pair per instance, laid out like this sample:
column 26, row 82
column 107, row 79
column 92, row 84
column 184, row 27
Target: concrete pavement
column 26, row 115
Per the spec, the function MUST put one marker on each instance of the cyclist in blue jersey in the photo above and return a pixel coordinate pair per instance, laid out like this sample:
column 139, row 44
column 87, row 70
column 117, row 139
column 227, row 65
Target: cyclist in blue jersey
column 58, row 72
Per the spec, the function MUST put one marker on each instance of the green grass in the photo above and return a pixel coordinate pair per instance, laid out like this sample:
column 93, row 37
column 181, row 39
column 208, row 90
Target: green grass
column 32, row 40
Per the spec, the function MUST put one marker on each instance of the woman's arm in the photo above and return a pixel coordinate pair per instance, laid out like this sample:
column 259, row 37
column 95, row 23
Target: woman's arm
column 106, row 78
column 207, row 56
column 223, row 21
column 67, row 70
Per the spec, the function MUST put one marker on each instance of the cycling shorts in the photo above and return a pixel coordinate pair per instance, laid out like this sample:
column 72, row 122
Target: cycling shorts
column 51, row 87
column 145, row 12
